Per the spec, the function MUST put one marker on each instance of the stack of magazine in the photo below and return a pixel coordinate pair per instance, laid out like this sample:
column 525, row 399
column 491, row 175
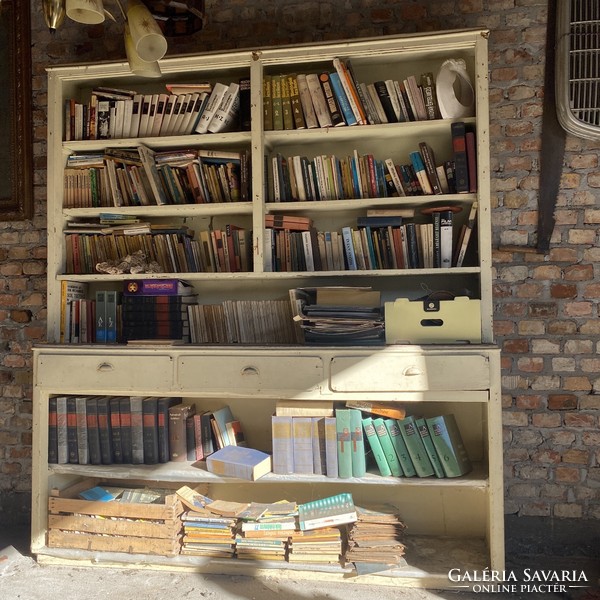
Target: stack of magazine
column 344, row 316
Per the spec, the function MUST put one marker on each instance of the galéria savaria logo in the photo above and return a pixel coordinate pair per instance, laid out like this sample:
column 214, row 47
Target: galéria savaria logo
column 537, row 581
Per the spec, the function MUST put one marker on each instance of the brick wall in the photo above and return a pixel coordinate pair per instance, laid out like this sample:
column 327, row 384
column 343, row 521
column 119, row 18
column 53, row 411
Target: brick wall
column 546, row 307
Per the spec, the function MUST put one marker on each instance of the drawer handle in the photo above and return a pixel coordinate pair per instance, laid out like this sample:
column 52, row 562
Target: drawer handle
column 105, row 367
column 412, row 371
column 250, row 371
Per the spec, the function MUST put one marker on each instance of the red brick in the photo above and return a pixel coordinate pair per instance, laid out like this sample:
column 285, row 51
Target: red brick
column 562, row 401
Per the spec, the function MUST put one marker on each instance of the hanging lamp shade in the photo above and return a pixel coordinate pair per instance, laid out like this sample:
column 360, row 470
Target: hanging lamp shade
column 54, row 13
column 148, row 40
column 136, row 64
column 88, row 12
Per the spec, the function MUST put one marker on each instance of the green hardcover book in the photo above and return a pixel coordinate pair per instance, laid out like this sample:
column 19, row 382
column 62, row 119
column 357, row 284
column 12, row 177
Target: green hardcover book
column 376, row 448
column 344, row 450
column 400, row 446
column 448, row 443
column 276, row 102
column 359, row 460
column 415, row 446
column 388, row 447
column 431, row 451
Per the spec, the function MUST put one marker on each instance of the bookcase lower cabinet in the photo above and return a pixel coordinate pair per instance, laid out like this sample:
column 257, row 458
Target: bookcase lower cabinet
column 450, row 523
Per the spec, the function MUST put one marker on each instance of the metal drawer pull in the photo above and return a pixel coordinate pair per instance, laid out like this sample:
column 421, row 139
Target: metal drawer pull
column 250, row 371
column 412, row 371
column 105, row 367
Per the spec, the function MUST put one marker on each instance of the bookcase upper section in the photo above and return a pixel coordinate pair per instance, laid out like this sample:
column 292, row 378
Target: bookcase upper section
column 374, row 59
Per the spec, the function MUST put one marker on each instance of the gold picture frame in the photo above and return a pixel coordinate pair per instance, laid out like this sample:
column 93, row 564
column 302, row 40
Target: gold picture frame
column 16, row 160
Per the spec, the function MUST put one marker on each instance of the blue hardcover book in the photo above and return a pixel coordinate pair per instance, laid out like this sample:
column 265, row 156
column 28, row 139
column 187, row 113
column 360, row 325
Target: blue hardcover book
column 342, row 98
column 111, row 316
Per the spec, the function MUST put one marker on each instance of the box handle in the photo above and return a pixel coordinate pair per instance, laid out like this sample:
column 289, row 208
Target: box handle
column 413, row 371
column 105, row 367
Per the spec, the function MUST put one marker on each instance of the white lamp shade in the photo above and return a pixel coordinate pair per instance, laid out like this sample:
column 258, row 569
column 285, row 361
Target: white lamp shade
column 148, row 40
column 136, row 64
column 89, row 12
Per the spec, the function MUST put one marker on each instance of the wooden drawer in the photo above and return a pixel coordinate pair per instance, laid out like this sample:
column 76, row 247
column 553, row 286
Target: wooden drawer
column 105, row 373
column 240, row 375
column 381, row 372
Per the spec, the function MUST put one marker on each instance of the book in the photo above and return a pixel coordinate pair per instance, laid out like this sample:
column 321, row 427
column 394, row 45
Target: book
column 302, row 445
column 236, row 461
column 376, row 448
column 295, row 102
column 318, row 446
column 137, row 436
column 213, row 104
column 267, row 103
column 178, row 416
column 219, row 420
column 69, row 292
column 404, row 459
column 331, row 454
column 448, row 442
column 429, row 447
column 471, row 160
column 101, row 317
column 245, row 117
column 430, row 167
column 150, row 430
column 286, row 103
column 61, row 430
column 282, row 440
column 327, row 512
column 359, row 466
column 72, row 446
column 308, row 109
column 465, row 236
column 387, row 447
column 83, row 453
column 415, row 446
column 304, row 408
column 461, row 163
column 331, row 102
column 344, row 443
column 318, row 100
column 384, row 409
column 277, row 102
column 115, row 430
column 194, row 437
column 52, row 431
column 125, row 418
column 157, row 287
column 419, row 168
column 226, row 117
column 104, row 430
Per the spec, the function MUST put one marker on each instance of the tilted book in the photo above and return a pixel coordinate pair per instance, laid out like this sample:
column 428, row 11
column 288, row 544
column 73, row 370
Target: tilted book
column 415, row 446
column 429, row 447
column 400, row 447
column 449, row 445
column 387, row 447
column 376, row 449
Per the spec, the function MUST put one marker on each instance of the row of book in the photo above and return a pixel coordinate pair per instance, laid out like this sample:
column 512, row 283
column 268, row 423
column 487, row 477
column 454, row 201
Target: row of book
column 172, row 247
column 298, row 178
column 338, row 446
column 105, row 430
column 140, row 177
column 334, row 98
column 378, row 242
column 113, row 113
column 243, row 322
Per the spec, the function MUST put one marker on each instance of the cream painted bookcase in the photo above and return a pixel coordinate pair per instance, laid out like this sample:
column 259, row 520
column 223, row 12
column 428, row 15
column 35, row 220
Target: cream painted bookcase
column 451, row 523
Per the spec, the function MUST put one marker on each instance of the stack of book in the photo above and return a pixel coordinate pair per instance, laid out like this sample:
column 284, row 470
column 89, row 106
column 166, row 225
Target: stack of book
column 327, row 512
column 156, row 309
column 339, row 316
column 323, row 545
column 264, row 530
column 375, row 538
column 205, row 534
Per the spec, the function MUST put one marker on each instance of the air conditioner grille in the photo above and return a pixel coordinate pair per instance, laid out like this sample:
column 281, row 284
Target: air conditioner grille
column 578, row 67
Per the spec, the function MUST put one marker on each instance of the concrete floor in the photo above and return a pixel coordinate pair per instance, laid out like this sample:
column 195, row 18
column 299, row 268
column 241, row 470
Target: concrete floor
column 23, row 579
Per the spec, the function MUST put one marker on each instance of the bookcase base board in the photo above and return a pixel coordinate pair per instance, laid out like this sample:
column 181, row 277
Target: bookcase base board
column 432, row 558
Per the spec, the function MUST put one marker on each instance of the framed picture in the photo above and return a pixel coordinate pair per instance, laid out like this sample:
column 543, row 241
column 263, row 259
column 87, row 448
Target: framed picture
column 16, row 162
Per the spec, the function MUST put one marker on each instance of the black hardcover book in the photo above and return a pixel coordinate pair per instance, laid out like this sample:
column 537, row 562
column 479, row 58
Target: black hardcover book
column 208, row 444
column 150, row 430
column 245, row 119
column 115, row 429
column 163, row 405
column 91, row 408
column 125, row 414
column 72, row 430
column 106, row 448
column 386, row 102
column 413, row 246
column 52, row 432
column 190, row 438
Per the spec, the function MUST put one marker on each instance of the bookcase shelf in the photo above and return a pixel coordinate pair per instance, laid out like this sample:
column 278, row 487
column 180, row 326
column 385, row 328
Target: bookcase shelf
column 452, row 521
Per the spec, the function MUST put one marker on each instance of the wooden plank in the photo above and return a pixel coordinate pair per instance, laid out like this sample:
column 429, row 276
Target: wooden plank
column 103, row 543
column 163, row 512
column 168, row 530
